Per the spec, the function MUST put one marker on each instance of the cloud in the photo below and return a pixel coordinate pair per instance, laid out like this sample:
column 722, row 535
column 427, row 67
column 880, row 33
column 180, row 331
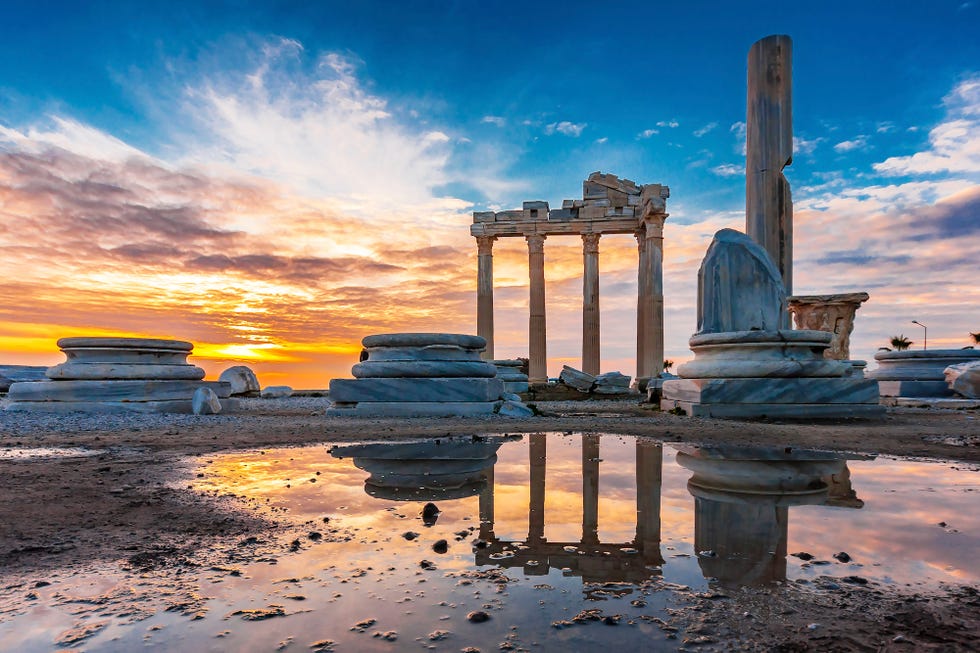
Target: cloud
column 954, row 144
column 668, row 123
column 806, row 146
column 647, row 133
column 728, row 170
column 857, row 143
column 698, row 133
column 600, row 141
column 567, row 128
column 497, row 121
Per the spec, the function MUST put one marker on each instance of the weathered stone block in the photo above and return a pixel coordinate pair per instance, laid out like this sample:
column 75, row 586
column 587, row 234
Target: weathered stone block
column 563, row 215
column 484, row 216
column 415, row 390
column 509, row 216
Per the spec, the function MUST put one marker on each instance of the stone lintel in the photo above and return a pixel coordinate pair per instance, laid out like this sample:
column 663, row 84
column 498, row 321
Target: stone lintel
column 518, row 228
column 843, row 298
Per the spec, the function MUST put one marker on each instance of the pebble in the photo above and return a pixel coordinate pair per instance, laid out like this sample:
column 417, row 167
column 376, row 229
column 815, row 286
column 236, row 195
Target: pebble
column 440, row 546
column 842, row 556
column 478, row 616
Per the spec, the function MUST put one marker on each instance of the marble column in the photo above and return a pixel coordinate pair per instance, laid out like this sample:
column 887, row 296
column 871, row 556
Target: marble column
column 590, row 489
column 484, row 293
column 538, row 454
column 642, row 282
column 590, row 304
column 650, row 299
column 769, row 149
column 537, row 330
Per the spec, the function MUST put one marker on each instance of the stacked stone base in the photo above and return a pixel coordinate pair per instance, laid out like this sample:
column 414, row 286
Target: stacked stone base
column 420, row 375
column 798, row 382
column 119, row 375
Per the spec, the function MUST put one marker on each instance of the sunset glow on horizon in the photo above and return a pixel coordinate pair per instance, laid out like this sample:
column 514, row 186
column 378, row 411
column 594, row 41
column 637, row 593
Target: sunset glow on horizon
column 275, row 186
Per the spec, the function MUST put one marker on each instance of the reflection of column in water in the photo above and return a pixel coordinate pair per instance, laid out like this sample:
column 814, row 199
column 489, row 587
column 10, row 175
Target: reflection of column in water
column 486, row 506
column 537, row 451
column 842, row 494
column 748, row 540
column 649, row 479
column 590, row 489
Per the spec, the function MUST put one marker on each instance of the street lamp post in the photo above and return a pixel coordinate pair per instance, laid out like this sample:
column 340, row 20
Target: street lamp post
column 925, row 333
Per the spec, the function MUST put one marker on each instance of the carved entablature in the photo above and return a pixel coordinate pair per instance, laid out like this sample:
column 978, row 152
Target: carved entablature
column 609, row 205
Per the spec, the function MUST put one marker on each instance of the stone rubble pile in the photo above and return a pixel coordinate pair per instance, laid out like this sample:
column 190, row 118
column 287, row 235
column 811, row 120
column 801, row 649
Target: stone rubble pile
column 603, row 196
column 608, row 383
column 422, row 375
column 920, row 373
column 122, row 375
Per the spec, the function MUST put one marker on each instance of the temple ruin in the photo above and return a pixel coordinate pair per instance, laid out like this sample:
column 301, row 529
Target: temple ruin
column 609, row 205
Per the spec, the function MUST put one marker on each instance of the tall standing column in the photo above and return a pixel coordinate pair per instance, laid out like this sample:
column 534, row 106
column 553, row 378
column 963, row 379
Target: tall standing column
column 537, row 330
column 642, row 283
column 484, row 292
column 590, row 304
column 651, row 297
column 769, row 149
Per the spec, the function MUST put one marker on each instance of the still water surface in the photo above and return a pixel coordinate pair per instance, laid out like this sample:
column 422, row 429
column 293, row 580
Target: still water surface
column 537, row 529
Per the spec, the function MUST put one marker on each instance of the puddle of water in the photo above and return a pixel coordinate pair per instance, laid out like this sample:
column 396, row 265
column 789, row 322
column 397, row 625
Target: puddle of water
column 531, row 531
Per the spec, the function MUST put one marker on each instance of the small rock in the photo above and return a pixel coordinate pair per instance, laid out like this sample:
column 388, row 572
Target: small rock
column 315, row 536
column 441, row 546
column 514, row 409
column 205, row 402
column 478, row 616
column 842, row 556
column 427, row 565
column 409, row 535
column 803, row 555
column 430, row 513
column 277, row 392
column 242, row 379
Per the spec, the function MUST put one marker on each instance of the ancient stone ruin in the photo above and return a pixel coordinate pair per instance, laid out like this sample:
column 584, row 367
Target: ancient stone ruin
column 609, row 205
column 122, row 375
column 423, row 375
column 831, row 313
column 744, row 364
column 919, row 374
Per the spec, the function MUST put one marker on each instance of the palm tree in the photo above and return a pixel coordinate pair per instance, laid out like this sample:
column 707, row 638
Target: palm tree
column 667, row 365
column 901, row 342
column 976, row 338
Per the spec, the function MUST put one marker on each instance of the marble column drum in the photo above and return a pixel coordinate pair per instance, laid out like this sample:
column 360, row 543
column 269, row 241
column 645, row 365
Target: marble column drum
column 419, row 374
column 119, row 375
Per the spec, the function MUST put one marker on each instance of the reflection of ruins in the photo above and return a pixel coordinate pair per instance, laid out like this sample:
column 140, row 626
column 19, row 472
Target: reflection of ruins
column 742, row 497
column 592, row 560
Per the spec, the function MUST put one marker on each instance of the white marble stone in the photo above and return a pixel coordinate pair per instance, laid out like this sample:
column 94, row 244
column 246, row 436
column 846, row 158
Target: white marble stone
column 124, row 358
column 919, row 373
column 276, row 392
column 755, row 354
column 132, row 391
column 205, row 402
column 424, row 340
column 423, row 353
column 515, row 409
column 415, row 390
column 846, row 390
column 739, row 287
column 577, row 379
column 423, row 369
column 114, row 407
column 10, row 374
column 242, row 379
column 964, row 379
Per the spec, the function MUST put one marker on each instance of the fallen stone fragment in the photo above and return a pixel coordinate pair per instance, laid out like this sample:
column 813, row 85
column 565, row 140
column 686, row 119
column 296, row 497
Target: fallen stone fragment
column 277, row 392
column 441, row 546
column 242, row 379
column 478, row 616
column 205, row 402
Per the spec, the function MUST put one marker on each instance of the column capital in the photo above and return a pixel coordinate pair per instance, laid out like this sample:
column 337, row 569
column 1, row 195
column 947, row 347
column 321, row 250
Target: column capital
column 590, row 243
column 535, row 243
column 484, row 244
column 641, row 238
column 653, row 225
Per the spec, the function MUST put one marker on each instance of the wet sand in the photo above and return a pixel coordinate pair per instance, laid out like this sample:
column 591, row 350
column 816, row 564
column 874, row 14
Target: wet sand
column 130, row 505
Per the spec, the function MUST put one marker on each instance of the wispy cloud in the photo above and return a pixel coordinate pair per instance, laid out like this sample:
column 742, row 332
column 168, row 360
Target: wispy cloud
column 698, row 133
column 668, row 123
column 565, row 127
column 806, row 146
column 728, row 170
column 954, row 144
column 857, row 143
column 647, row 133
column 494, row 120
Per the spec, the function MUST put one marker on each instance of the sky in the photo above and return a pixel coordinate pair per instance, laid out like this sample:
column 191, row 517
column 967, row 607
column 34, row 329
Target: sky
column 275, row 181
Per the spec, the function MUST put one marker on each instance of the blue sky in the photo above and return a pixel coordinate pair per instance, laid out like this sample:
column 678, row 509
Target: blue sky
column 420, row 112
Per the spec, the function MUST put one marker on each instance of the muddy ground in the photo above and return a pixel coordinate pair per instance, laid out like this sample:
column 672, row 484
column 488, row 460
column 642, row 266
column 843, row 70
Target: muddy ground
column 130, row 505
